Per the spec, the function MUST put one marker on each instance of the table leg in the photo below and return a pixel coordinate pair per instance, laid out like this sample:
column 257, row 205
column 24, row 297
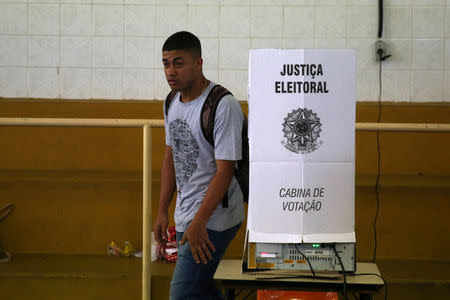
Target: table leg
column 229, row 294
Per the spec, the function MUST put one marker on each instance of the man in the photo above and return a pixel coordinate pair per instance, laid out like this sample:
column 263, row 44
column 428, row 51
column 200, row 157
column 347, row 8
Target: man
column 201, row 174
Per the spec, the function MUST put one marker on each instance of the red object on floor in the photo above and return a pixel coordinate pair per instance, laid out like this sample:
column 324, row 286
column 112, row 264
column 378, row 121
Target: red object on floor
column 295, row 295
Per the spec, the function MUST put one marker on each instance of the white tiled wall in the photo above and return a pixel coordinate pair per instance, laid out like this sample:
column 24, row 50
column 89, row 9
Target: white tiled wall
column 111, row 49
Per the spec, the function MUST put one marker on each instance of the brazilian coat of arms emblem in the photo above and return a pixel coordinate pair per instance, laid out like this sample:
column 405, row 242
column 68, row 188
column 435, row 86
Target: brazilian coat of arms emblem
column 301, row 130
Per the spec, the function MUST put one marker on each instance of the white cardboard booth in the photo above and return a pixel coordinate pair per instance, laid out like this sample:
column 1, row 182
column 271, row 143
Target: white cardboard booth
column 302, row 146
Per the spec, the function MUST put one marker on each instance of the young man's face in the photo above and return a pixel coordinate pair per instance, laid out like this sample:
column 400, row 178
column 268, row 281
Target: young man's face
column 181, row 68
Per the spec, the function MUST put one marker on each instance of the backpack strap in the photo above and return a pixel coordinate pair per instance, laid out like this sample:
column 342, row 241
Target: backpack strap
column 242, row 166
column 209, row 108
column 169, row 99
column 208, row 116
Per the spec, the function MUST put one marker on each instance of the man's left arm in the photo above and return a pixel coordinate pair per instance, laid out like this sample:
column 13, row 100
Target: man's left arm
column 196, row 233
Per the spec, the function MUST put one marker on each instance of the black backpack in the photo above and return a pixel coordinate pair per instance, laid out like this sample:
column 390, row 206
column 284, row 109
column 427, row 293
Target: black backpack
column 208, row 115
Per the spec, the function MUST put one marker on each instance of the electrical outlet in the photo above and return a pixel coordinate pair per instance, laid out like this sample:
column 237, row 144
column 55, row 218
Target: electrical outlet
column 381, row 50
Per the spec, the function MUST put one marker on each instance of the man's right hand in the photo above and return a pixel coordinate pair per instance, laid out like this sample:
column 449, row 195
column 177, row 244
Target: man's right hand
column 160, row 228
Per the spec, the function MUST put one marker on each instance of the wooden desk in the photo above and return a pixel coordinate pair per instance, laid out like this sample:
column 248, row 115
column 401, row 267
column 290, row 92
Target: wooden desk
column 229, row 276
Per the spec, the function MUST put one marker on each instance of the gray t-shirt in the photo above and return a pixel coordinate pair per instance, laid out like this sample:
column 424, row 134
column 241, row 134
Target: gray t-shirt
column 194, row 158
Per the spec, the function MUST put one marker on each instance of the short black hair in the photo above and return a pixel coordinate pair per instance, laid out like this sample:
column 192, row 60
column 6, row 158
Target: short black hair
column 183, row 40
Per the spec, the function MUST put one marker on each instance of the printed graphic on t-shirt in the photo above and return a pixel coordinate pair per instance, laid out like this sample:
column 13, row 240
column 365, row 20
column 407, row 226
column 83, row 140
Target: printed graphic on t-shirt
column 185, row 151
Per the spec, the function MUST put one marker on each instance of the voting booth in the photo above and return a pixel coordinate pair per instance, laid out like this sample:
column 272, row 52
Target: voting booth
column 301, row 113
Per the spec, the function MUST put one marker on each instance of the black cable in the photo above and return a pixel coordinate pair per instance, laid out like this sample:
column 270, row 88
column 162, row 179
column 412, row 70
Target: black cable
column 384, row 282
column 5, row 211
column 238, row 293
column 307, row 259
column 343, row 271
column 380, row 18
column 378, row 164
column 380, row 89
column 251, row 292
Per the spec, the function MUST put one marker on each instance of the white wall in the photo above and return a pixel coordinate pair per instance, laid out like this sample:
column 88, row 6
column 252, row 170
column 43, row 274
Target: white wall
column 110, row 49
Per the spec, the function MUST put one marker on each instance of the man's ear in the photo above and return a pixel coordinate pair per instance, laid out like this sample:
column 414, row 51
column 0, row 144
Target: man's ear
column 199, row 63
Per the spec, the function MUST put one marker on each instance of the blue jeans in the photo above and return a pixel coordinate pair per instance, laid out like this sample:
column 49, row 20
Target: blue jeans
column 192, row 281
